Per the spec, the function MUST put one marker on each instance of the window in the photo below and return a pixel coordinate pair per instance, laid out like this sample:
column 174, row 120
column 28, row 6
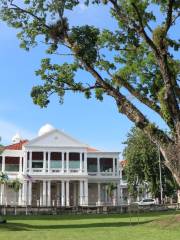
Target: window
column 106, row 164
column 12, row 164
column 92, row 164
column 37, row 164
column 37, row 159
column 56, row 160
column 74, row 160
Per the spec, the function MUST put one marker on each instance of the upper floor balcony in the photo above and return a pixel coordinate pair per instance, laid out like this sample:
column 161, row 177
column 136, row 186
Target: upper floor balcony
column 102, row 166
column 59, row 163
column 55, row 163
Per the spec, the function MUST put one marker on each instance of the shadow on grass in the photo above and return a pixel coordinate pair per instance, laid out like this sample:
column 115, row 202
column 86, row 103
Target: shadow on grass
column 30, row 227
column 87, row 216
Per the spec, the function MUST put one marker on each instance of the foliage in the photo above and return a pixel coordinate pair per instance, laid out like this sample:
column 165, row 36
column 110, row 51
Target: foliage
column 138, row 55
column 15, row 185
column 3, row 178
column 110, row 189
column 143, row 165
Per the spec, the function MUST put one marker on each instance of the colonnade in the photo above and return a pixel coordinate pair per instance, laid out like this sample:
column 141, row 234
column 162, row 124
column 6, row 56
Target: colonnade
column 63, row 190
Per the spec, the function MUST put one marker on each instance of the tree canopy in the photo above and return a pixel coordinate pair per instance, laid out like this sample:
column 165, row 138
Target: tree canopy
column 142, row 166
column 138, row 57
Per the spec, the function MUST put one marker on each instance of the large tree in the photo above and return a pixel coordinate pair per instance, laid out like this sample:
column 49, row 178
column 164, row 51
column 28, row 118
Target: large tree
column 142, row 167
column 137, row 57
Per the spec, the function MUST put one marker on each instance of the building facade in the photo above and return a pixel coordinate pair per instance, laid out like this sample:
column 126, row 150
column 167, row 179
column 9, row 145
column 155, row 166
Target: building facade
column 58, row 170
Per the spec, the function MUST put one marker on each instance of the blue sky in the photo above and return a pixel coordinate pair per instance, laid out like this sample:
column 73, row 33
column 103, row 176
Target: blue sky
column 96, row 123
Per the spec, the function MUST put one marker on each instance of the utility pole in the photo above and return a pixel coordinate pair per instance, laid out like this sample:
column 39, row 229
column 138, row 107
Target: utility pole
column 160, row 175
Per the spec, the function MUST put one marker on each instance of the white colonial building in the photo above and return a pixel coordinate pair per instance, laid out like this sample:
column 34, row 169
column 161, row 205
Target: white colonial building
column 58, row 170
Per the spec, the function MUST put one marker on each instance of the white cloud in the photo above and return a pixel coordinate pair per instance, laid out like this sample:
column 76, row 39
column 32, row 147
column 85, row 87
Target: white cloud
column 8, row 130
column 82, row 7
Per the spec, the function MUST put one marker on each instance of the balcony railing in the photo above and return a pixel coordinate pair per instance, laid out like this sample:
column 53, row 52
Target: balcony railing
column 37, row 170
column 105, row 174
column 56, row 170
column 92, row 173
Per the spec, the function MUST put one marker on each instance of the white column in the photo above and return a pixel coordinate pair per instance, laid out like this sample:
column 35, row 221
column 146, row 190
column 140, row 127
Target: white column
column 49, row 162
column 20, row 197
column 30, row 161
column 62, row 162
column 41, row 193
column 118, row 194
column 67, row 162
column 44, row 161
column 114, row 167
column 80, row 166
column 25, row 162
column 106, row 195
column 58, row 193
column 98, row 165
column 49, row 193
column 85, row 162
column 2, row 194
column 3, row 163
column 62, row 193
column 74, row 194
column 115, row 197
column 86, row 192
column 81, row 192
column 44, row 193
column 20, row 164
column 120, row 175
column 121, row 195
column 24, row 193
column 99, row 194
column 30, row 193
column 67, row 193
column 118, row 167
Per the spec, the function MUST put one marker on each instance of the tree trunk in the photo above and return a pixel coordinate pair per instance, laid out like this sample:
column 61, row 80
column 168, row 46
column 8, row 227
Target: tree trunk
column 170, row 148
column 171, row 154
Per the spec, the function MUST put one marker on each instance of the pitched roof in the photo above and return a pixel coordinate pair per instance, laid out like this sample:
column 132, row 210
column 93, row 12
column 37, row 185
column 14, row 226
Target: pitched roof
column 55, row 138
column 16, row 146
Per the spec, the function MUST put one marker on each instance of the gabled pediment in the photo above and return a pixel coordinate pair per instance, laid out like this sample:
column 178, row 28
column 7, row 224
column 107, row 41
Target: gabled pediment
column 55, row 138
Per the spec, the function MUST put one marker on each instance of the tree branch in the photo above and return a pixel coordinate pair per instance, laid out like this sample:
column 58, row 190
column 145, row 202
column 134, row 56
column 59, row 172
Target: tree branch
column 17, row 8
column 175, row 18
column 142, row 31
column 130, row 110
column 169, row 15
column 161, row 57
column 139, row 96
column 124, row 105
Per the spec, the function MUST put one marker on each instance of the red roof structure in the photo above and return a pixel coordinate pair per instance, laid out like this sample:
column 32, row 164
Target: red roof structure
column 123, row 163
column 16, row 146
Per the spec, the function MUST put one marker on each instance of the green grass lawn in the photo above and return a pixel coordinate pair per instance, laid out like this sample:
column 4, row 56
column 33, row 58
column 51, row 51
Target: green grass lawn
column 153, row 226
